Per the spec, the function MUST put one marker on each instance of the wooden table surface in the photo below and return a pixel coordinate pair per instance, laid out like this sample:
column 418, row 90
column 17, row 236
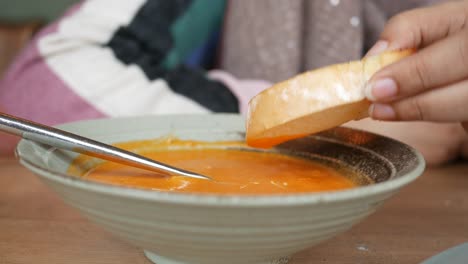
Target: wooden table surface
column 424, row 219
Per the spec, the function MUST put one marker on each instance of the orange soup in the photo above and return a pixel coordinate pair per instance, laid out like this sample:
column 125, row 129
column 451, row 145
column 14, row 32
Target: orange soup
column 233, row 171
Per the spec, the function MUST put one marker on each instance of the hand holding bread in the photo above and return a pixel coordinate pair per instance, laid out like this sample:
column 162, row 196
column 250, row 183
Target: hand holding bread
column 314, row 101
column 429, row 85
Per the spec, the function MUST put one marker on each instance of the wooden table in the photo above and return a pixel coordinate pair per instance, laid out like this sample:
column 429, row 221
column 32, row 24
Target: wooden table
column 425, row 218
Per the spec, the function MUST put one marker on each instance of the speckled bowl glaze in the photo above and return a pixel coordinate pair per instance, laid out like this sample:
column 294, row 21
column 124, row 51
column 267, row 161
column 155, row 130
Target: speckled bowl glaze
column 175, row 228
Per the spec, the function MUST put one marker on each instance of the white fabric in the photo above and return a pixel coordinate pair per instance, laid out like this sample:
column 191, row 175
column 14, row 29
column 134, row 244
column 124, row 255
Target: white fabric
column 75, row 53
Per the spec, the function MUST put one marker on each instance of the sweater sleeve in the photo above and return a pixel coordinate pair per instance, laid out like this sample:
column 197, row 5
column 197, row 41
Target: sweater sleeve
column 117, row 58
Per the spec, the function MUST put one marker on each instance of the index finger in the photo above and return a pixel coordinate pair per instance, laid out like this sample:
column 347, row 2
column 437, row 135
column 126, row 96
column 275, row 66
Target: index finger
column 421, row 27
column 440, row 64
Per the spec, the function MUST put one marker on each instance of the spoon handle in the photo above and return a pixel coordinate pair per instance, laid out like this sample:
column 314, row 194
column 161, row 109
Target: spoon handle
column 69, row 141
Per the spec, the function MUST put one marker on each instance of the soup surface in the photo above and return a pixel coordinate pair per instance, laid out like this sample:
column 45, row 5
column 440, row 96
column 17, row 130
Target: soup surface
column 234, row 172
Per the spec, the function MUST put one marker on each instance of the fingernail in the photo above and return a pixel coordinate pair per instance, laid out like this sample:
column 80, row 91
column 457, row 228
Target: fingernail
column 381, row 89
column 379, row 47
column 382, row 112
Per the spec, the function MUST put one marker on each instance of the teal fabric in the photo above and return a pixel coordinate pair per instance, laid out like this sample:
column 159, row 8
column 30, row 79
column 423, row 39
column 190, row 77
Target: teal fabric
column 193, row 29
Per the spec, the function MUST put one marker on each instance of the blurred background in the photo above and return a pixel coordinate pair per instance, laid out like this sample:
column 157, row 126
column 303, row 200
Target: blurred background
column 23, row 10
column 20, row 19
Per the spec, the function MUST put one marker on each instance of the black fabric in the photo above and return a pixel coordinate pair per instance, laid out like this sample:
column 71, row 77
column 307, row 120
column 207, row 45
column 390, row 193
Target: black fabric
column 211, row 94
column 147, row 40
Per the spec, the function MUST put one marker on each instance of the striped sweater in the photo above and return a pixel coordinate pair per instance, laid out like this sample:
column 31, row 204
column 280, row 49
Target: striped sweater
column 124, row 58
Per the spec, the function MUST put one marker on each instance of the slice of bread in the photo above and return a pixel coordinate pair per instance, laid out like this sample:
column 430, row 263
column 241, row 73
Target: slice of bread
column 313, row 101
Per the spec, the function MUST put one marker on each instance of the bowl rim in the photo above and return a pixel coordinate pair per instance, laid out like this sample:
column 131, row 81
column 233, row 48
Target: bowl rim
column 360, row 192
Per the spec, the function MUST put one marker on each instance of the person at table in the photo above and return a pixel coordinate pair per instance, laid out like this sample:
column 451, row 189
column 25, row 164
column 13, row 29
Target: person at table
column 123, row 58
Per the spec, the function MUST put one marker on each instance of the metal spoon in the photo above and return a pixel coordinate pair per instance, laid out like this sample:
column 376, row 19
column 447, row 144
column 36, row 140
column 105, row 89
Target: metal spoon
column 66, row 140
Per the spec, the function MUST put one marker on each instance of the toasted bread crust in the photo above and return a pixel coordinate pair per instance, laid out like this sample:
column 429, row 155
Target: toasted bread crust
column 313, row 101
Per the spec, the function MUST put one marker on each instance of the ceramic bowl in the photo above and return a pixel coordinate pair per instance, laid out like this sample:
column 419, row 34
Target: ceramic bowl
column 175, row 228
